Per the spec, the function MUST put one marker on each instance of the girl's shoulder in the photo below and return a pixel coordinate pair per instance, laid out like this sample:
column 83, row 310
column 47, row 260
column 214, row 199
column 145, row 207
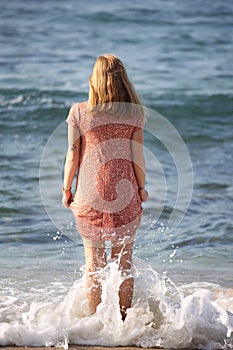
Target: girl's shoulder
column 80, row 107
column 76, row 111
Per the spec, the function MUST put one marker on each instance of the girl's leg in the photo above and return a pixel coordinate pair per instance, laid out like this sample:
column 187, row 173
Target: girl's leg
column 124, row 254
column 95, row 260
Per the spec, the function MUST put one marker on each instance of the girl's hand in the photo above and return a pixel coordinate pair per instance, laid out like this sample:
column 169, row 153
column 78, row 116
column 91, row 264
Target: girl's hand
column 143, row 195
column 67, row 198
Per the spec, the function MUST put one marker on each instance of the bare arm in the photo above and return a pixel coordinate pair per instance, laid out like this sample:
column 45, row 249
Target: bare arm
column 71, row 164
column 137, row 142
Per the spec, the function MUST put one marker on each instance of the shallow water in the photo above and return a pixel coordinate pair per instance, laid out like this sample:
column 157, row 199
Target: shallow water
column 163, row 313
column 178, row 56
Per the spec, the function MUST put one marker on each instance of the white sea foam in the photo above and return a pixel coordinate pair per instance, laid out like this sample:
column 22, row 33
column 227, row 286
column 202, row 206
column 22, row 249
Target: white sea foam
column 162, row 314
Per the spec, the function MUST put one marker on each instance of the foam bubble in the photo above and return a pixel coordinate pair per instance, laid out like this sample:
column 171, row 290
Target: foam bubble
column 162, row 314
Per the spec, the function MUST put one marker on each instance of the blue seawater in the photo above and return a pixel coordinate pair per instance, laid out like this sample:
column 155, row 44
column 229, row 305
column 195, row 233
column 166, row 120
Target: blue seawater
column 178, row 54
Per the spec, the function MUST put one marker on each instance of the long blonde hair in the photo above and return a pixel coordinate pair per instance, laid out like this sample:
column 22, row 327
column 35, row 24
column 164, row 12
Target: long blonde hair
column 110, row 87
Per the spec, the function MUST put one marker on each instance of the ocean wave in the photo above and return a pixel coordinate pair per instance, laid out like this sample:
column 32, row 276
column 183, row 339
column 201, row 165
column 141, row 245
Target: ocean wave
column 11, row 98
column 162, row 314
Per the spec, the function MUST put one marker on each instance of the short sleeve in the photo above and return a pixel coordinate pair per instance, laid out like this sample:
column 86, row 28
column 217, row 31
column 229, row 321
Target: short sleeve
column 73, row 116
column 139, row 122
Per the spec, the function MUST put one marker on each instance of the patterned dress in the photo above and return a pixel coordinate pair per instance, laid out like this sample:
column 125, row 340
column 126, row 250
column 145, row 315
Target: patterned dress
column 106, row 205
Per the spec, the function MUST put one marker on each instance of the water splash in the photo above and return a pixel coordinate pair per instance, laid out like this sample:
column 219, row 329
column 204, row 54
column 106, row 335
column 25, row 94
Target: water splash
column 162, row 314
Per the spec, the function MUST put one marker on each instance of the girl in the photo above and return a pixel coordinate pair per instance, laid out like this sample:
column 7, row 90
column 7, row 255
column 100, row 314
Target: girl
column 105, row 136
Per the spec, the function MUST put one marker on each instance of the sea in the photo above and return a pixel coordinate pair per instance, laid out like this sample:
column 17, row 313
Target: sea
column 178, row 54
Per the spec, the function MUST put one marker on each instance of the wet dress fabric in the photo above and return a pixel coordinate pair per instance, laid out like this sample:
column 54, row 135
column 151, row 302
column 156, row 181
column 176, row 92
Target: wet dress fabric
column 106, row 205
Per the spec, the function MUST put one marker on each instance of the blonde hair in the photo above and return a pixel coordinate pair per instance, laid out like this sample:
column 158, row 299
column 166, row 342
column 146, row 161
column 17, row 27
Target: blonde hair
column 110, row 87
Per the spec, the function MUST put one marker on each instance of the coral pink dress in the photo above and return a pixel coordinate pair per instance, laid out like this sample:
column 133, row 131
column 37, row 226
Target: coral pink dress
column 106, row 205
